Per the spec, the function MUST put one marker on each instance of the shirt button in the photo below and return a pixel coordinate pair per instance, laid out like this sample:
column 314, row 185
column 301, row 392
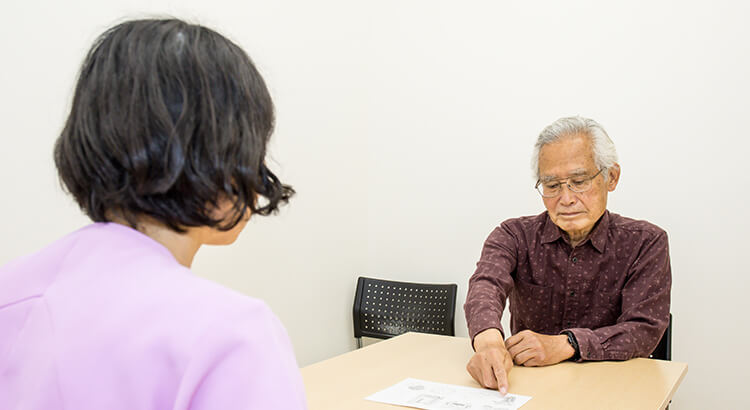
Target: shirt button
column 572, row 293
column 569, row 324
column 575, row 259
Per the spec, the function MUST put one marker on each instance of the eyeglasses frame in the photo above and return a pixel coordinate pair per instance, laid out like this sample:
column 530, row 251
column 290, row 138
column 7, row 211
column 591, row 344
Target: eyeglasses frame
column 567, row 183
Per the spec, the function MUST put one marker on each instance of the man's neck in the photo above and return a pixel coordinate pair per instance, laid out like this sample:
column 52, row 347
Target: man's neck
column 577, row 238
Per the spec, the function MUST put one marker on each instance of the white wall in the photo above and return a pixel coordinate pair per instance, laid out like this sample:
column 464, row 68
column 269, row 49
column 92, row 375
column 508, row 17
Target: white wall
column 406, row 127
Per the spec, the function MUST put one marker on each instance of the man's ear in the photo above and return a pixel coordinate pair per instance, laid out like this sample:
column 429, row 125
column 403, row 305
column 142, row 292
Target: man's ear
column 613, row 176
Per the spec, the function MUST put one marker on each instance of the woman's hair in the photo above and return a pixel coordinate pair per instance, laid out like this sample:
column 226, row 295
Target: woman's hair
column 605, row 154
column 168, row 120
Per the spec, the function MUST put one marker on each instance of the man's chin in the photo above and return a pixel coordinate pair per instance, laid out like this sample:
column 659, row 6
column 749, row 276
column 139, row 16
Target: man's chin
column 569, row 225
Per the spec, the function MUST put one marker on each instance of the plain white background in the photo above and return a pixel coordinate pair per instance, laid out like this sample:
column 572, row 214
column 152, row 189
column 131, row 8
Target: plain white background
column 406, row 128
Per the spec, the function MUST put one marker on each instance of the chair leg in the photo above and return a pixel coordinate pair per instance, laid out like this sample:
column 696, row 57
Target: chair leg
column 359, row 342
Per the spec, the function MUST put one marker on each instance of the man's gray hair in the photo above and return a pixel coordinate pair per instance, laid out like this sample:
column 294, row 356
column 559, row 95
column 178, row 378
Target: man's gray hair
column 605, row 154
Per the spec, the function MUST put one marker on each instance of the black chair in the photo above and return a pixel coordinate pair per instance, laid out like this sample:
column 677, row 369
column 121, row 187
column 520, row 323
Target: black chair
column 663, row 350
column 384, row 308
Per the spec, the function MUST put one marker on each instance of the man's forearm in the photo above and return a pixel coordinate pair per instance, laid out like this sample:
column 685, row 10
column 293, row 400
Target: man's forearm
column 622, row 341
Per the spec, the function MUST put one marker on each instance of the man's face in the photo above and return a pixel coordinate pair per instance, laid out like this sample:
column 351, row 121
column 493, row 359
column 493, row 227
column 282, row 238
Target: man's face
column 575, row 213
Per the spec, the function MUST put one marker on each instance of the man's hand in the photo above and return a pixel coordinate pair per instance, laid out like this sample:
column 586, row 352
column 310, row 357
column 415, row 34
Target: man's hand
column 491, row 363
column 528, row 348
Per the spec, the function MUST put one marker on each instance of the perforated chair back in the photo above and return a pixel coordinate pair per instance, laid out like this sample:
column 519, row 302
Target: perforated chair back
column 384, row 308
column 663, row 350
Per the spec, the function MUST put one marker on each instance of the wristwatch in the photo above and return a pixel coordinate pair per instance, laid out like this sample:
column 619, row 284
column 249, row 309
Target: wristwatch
column 574, row 344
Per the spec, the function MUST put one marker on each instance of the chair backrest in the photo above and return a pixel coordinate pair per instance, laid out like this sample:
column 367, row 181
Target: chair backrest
column 663, row 350
column 384, row 308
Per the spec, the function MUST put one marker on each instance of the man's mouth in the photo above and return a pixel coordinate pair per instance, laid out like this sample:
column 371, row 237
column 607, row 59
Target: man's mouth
column 569, row 214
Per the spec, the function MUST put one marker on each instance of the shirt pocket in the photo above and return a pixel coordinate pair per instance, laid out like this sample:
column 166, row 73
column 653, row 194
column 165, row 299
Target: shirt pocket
column 531, row 306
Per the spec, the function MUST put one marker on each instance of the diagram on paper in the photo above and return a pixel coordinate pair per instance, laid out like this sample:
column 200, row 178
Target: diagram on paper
column 426, row 395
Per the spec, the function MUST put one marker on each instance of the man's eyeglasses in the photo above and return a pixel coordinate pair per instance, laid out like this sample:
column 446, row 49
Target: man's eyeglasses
column 577, row 184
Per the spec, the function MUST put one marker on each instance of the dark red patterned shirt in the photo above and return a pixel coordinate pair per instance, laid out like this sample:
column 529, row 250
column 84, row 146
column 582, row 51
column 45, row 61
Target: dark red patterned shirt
column 612, row 291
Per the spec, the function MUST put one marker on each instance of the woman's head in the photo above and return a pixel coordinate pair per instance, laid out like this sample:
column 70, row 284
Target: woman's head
column 169, row 121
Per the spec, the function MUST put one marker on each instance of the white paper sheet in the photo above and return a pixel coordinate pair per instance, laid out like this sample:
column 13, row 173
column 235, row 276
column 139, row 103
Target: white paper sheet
column 426, row 395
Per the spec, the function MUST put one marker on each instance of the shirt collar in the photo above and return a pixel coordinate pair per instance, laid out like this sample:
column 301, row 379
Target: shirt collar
column 550, row 232
column 597, row 236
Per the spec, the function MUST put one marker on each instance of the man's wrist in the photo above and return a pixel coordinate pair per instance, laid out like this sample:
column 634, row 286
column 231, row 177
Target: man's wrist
column 491, row 337
column 573, row 342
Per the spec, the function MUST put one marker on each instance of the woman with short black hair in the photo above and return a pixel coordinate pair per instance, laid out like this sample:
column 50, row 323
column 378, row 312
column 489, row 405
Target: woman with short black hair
column 164, row 150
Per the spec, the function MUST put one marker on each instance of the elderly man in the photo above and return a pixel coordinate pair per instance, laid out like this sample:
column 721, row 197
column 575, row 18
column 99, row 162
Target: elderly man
column 583, row 283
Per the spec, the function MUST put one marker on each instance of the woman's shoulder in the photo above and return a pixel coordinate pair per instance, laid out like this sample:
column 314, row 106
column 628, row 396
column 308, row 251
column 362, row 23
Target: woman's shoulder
column 134, row 282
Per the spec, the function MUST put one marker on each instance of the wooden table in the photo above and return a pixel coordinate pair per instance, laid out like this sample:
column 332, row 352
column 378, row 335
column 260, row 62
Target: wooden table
column 344, row 381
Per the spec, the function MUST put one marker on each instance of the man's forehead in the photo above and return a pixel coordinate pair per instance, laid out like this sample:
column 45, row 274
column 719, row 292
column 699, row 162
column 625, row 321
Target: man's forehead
column 563, row 157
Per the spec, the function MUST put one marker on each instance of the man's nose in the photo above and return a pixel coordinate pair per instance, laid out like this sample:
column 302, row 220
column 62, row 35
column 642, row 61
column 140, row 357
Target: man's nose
column 567, row 196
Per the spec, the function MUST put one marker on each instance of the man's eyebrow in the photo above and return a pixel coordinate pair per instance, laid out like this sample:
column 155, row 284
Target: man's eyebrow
column 574, row 173
column 578, row 172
